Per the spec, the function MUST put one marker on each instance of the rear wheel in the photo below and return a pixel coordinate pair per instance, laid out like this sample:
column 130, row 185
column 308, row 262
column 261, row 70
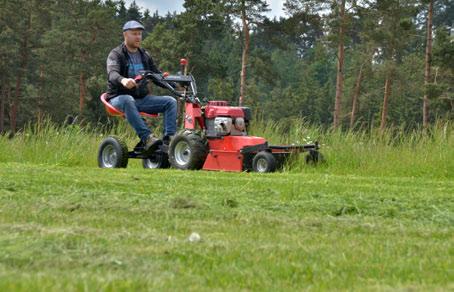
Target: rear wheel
column 188, row 151
column 264, row 162
column 113, row 153
column 158, row 160
column 314, row 157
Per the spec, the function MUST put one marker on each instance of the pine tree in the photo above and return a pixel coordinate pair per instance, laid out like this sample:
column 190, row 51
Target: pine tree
column 337, row 20
column 250, row 12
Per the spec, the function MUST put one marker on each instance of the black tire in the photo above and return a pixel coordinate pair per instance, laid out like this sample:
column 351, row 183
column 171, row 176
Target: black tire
column 158, row 160
column 264, row 162
column 188, row 151
column 113, row 153
column 314, row 157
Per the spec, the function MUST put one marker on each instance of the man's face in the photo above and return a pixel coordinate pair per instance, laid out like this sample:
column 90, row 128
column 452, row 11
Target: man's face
column 133, row 37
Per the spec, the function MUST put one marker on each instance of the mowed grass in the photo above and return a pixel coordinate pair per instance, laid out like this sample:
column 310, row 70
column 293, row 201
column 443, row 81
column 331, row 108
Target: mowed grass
column 68, row 229
column 377, row 216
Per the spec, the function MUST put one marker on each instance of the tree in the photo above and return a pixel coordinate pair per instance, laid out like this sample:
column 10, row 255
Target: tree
column 337, row 20
column 362, row 51
column 52, row 57
column 441, row 91
column 340, row 66
column 134, row 12
column 393, row 31
column 20, row 30
column 428, row 61
column 8, row 48
column 76, row 47
column 250, row 12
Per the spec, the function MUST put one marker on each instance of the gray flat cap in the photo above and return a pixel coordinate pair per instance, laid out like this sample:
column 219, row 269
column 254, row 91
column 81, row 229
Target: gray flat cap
column 133, row 25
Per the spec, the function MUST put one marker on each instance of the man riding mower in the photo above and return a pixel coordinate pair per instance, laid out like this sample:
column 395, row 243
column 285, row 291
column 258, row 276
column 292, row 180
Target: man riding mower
column 214, row 135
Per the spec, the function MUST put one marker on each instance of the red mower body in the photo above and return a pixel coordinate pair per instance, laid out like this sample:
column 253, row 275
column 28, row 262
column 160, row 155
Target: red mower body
column 225, row 153
column 230, row 152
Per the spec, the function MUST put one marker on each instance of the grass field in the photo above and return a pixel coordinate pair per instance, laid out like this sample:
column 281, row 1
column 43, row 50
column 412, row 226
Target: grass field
column 378, row 216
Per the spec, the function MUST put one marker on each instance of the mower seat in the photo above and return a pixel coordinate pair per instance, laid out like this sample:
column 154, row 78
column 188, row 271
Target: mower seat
column 112, row 111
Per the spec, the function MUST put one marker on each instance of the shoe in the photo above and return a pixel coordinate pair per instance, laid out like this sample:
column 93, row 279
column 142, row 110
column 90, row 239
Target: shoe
column 152, row 143
column 167, row 139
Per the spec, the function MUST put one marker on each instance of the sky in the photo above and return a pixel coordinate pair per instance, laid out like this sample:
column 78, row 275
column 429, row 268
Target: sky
column 163, row 6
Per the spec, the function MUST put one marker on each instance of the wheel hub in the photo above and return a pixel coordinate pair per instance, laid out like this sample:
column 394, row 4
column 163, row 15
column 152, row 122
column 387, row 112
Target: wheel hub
column 182, row 153
column 262, row 165
column 109, row 156
column 152, row 162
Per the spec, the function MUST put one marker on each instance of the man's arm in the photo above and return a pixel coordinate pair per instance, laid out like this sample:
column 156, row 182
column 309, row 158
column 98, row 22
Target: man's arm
column 113, row 72
column 113, row 69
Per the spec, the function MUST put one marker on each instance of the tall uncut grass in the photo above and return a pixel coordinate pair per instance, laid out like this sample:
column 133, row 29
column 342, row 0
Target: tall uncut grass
column 395, row 152
column 49, row 143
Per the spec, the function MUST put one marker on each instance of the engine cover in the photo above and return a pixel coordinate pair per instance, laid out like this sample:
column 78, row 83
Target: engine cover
column 221, row 109
column 222, row 120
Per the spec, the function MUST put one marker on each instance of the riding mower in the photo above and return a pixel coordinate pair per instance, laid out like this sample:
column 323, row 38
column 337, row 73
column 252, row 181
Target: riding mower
column 214, row 137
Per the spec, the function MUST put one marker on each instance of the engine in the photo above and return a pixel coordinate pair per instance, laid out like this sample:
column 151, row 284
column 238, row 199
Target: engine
column 222, row 120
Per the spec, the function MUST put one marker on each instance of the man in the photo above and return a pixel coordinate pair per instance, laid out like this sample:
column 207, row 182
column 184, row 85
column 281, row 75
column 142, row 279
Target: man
column 123, row 64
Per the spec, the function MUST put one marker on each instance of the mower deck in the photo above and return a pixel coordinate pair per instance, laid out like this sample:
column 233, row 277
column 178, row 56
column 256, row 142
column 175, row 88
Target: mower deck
column 235, row 153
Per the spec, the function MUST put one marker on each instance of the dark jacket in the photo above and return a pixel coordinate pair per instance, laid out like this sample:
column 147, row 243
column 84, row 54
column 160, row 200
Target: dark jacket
column 117, row 69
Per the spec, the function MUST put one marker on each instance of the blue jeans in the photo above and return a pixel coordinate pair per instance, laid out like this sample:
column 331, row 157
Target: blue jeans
column 151, row 105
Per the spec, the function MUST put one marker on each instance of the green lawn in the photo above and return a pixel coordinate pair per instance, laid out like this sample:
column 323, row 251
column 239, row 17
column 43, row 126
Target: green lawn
column 83, row 228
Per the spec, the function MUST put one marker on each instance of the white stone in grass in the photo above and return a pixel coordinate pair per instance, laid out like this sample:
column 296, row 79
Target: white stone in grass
column 194, row 237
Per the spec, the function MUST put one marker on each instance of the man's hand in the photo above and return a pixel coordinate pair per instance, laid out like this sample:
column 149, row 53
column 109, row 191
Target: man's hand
column 129, row 83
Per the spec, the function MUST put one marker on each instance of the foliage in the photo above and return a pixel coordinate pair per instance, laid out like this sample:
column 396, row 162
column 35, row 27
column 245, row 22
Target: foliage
column 292, row 64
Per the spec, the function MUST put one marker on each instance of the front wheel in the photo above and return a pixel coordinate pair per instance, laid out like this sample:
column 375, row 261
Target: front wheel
column 264, row 162
column 314, row 157
column 188, row 151
column 113, row 153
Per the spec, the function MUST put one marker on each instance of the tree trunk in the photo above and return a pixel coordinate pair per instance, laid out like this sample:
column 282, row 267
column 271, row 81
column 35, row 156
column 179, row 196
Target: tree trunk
column 14, row 106
column 2, row 110
column 425, row 107
column 356, row 95
column 244, row 59
column 384, row 113
column 22, row 69
column 340, row 68
column 41, row 95
column 8, row 102
column 82, row 92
